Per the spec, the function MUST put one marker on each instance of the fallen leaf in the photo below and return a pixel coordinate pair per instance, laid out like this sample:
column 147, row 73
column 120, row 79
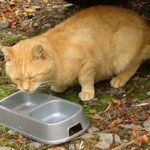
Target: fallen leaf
column 22, row 139
column 143, row 139
column 117, row 103
column 115, row 123
column 132, row 118
column 135, row 131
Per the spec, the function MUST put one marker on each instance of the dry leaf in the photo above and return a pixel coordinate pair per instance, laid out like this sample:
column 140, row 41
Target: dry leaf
column 114, row 123
column 117, row 102
column 135, row 131
column 22, row 139
column 143, row 139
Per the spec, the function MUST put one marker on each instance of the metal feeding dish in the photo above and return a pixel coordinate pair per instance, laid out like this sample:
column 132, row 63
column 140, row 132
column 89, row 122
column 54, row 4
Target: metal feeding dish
column 43, row 117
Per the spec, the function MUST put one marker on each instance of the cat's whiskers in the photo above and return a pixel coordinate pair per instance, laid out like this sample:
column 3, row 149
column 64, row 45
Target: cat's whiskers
column 46, row 83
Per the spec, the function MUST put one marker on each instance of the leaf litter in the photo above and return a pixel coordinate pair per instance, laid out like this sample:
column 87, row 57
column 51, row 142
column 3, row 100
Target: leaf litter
column 119, row 117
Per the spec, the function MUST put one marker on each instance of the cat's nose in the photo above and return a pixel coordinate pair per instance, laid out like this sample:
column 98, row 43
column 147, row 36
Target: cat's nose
column 25, row 87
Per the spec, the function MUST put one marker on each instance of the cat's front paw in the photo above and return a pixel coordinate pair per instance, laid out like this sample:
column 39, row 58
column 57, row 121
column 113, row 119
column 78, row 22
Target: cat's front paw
column 57, row 89
column 86, row 95
column 117, row 82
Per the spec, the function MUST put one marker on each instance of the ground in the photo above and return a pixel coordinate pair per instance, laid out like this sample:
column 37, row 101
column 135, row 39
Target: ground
column 119, row 118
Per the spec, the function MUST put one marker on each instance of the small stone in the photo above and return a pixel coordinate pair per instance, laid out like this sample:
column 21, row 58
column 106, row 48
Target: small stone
column 87, row 136
column 30, row 10
column 35, row 145
column 92, row 129
column 57, row 148
column 25, row 24
column 148, row 93
column 72, row 147
column 3, row 1
column 117, row 92
column 36, row 7
column 47, row 25
column 106, row 139
column 103, row 145
column 11, row 132
column 96, row 116
column 127, row 126
column 146, row 125
column 35, row 24
column 6, row 148
column 117, row 139
column 4, row 24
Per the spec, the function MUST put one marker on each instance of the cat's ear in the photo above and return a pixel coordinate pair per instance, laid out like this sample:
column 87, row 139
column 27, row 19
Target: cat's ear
column 39, row 52
column 8, row 52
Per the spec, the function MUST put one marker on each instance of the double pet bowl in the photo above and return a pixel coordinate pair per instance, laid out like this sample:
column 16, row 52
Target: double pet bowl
column 43, row 117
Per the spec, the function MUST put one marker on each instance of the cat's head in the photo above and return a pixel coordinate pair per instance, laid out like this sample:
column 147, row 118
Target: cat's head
column 29, row 63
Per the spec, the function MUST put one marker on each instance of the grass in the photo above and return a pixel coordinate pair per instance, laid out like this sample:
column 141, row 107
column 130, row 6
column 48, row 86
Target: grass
column 96, row 106
column 71, row 96
column 11, row 39
column 141, row 96
column 107, row 97
column 138, row 89
column 6, row 90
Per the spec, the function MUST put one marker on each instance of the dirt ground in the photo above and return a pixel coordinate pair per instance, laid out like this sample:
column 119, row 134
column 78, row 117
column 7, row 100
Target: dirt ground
column 119, row 118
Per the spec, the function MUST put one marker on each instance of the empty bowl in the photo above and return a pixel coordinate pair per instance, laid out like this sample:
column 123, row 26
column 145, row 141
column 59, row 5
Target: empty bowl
column 43, row 117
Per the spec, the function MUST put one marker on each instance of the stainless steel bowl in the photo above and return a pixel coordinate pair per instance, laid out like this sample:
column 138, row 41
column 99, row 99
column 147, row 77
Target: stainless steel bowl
column 43, row 117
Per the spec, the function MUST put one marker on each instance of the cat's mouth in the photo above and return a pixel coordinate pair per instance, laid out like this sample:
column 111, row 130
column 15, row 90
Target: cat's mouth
column 29, row 90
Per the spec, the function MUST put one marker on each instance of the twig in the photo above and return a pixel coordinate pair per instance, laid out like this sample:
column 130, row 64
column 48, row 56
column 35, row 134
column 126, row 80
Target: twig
column 123, row 145
column 67, row 5
column 107, row 107
column 63, row 6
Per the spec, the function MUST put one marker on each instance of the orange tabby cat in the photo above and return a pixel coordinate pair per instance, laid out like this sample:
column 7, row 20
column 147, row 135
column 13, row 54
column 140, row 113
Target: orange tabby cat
column 95, row 44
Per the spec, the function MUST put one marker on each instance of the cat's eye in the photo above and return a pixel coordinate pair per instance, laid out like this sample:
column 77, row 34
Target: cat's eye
column 31, row 77
column 16, row 79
